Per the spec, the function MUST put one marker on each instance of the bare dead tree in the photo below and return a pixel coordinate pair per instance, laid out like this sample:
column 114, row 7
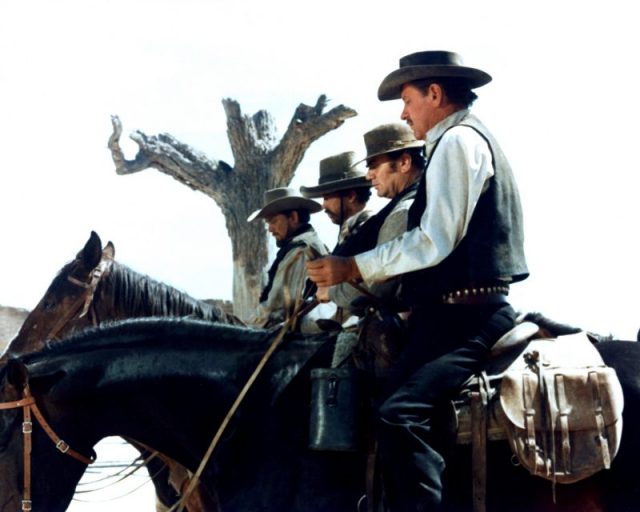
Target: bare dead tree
column 260, row 163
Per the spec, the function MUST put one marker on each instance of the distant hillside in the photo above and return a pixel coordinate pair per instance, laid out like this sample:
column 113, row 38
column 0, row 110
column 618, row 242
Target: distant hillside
column 10, row 321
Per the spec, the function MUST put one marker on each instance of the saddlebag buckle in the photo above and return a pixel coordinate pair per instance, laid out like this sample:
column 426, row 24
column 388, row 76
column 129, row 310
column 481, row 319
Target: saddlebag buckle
column 27, row 427
column 26, row 506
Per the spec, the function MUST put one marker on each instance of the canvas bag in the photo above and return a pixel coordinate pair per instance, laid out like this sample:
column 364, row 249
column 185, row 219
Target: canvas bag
column 569, row 427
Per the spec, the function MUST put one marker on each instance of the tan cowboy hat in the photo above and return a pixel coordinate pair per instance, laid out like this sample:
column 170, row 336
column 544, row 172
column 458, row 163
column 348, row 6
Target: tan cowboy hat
column 388, row 138
column 282, row 199
column 337, row 173
column 429, row 64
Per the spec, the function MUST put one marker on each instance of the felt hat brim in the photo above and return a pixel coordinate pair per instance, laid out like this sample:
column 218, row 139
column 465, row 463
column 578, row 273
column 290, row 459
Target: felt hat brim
column 284, row 204
column 335, row 186
column 391, row 86
column 414, row 144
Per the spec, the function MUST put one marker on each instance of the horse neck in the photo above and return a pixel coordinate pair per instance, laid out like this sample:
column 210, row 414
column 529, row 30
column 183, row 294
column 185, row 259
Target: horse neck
column 191, row 394
column 124, row 293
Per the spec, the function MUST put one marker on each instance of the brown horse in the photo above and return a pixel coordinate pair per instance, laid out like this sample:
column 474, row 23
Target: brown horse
column 94, row 288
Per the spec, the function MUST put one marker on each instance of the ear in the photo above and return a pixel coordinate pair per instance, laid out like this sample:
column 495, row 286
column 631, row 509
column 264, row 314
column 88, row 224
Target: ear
column 109, row 251
column 17, row 373
column 294, row 216
column 91, row 253
column 405, row 163
column 351, row 196
column 436, row 95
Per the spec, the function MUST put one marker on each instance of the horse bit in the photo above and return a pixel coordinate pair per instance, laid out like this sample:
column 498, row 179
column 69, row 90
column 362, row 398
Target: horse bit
column 28, row 405
column 85, row 301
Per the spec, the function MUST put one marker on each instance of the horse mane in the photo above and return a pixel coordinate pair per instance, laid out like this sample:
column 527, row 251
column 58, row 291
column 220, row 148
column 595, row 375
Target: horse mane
column 153, row 332
column 144, row 296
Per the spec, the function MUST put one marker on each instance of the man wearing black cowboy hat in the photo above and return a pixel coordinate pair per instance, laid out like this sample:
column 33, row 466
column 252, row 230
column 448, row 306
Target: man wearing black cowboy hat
column 462, row 249
column 287, row 215
column 344, row 190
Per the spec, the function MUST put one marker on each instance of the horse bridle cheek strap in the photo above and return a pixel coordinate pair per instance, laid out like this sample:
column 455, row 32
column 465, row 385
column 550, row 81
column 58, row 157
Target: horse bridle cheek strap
column 85, row 301
column 29, row 406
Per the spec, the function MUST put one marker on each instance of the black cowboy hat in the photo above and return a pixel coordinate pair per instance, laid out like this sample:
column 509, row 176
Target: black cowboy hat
column 337, row 173
column 429, row 64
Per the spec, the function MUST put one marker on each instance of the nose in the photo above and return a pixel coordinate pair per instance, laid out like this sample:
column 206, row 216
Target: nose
column 370, row 173
column 404, row 115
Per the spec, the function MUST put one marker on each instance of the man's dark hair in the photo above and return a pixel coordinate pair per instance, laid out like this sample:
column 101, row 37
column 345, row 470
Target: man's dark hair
column 304, row 216
column 457, row 90
column 362, row 194
column 418, row 159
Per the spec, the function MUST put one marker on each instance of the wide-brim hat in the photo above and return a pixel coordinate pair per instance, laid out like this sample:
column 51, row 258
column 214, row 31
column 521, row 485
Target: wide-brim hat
column 338, row 172
column 429, row 64
column 388, row 138
column 282, row 199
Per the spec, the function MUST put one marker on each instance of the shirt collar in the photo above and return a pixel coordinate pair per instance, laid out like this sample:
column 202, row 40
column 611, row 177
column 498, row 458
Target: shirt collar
column 353, row 222
column 438, row 130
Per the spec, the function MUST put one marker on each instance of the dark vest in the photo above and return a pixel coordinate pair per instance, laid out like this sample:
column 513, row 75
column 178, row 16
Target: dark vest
column 493, row 246
column 366, row 237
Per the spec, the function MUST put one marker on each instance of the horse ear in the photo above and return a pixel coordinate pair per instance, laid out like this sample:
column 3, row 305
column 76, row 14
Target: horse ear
column 17, row 373
column 109, row 251
column 91, row 253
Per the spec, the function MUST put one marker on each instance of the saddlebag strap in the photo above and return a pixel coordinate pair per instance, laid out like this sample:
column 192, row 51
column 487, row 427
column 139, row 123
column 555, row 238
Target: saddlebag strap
column 530, row 385
column 599, row 416
column 563, row 417
column 479, row 406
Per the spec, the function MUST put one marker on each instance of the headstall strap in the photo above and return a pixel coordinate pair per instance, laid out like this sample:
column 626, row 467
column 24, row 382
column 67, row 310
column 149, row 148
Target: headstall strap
column 84, row 302
column 28, row 405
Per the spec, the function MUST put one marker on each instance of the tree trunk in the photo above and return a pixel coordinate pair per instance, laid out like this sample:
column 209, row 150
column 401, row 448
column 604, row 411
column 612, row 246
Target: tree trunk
column 261, row 163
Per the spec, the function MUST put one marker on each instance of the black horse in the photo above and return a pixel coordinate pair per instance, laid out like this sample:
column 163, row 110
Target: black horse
column 165, row 384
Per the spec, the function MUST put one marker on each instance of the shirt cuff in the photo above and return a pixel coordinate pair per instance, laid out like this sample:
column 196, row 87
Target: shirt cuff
column 368, row 266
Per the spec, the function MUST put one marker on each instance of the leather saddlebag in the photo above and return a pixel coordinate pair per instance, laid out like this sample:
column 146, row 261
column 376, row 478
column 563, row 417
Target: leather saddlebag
column 562, row 409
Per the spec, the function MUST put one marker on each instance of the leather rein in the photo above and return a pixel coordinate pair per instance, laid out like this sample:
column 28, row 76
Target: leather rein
column 29, row 407
column 85, row 301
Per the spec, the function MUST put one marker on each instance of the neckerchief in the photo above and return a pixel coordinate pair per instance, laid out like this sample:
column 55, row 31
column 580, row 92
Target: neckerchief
column 284, row 247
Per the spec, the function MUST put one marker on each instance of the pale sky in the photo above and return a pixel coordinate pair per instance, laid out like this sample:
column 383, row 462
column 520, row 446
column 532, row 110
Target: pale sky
column 562, row 103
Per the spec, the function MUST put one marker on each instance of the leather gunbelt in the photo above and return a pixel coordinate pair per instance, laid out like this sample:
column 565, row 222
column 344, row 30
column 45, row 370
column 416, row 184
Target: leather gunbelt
column 493, row 294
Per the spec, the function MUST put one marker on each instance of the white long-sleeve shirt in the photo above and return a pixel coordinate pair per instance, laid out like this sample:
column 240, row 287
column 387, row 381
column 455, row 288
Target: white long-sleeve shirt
column 457, row 175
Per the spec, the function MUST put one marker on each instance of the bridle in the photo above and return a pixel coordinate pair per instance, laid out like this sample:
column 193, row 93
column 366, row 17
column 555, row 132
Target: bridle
column 29, row 406
column 84, row 302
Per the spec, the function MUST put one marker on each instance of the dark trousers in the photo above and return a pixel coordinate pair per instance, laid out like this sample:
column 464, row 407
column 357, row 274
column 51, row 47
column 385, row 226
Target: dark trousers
column 447, row 345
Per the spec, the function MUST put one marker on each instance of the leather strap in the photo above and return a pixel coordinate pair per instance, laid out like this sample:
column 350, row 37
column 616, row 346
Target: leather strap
column 28, row 406
column 60, row 444
column 563, row 412
column 84, row 302
column 479, row 405
column 598, row 412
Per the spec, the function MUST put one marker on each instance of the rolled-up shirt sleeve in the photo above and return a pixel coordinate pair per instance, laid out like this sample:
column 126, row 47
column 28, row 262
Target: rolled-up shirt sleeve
column 457, row 174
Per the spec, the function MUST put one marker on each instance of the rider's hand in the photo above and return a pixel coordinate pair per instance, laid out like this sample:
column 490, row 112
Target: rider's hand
column 331, row 270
